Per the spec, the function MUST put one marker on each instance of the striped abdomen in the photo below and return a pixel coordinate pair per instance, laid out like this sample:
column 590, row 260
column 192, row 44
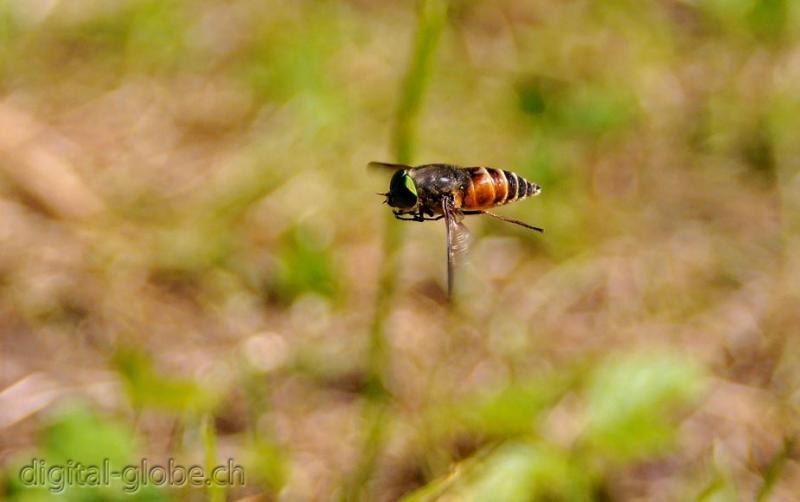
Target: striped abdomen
column 489, row 187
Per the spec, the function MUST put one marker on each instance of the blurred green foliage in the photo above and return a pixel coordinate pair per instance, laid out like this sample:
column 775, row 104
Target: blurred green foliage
column 628, row 405
column 267, row 463
column 514, row 410
column 284, row 61
column 76, row 435
column 147, row 388
column 148, row 35
column 768, row 19
column 303, row 264
column 589, row 110
column 630, row 402
column 513, row 471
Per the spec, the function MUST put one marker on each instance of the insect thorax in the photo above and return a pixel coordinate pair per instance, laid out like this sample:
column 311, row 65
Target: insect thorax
column 435, row 181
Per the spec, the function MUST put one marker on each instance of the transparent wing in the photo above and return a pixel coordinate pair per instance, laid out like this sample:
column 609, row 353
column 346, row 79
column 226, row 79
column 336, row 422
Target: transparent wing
column 387, row 165
column 457, row 239
column 461, row 235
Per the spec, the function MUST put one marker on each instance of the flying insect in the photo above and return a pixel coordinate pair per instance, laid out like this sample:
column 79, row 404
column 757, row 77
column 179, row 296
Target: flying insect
column 443, row 191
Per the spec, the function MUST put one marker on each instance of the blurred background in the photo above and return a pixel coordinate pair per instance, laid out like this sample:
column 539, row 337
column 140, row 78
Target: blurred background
column 194, row 263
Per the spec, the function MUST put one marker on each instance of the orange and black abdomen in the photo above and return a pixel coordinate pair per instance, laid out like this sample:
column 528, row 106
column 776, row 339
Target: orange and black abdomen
column 489, row 187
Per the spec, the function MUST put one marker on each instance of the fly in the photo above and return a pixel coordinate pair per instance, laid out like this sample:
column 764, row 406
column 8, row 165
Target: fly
column 443, row 191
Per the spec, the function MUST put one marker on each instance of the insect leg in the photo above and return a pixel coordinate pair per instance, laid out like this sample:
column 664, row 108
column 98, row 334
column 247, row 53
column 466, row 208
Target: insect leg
column 416, row 217
column 509, row 220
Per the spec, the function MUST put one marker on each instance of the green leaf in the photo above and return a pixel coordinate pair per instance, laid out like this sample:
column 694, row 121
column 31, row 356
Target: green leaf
column 768, row 19
column 595, row 109
column 76, row 435
column 81, row 435
column 267, row 462
column 514, row 410
column 631, row 403
column 304, row 264
column 146, row 388
column 513, row 472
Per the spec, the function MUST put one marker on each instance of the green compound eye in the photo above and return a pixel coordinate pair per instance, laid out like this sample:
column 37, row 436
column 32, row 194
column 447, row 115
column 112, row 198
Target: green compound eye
column 410, row 184
column 402, row 190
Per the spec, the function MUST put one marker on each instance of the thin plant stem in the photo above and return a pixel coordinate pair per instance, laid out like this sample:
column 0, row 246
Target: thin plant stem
column 775, row 469
column 432, row 16
column 216, row 492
